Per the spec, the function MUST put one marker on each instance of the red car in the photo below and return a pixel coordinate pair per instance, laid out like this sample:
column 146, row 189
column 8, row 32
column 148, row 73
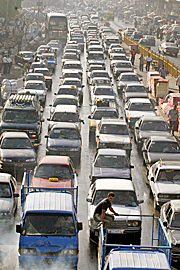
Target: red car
column 55, row 172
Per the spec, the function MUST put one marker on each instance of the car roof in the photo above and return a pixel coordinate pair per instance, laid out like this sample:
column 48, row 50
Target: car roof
column 40, row 69
column 139, row 100
column 72, row 79
column 72, row 62
column 111, row 152
column 135, row 84
column 34, row 81
column 8, row 134
column 129, row 73
column 51, row 201
column 66, row 97
column 152, row 118
column 66, row 108
column 5, row 177
column 65, row 125
column 35, row 74
column 114, row 184
column 54, row 160
column 166, row 138
column 116, row 121
column 67, row 86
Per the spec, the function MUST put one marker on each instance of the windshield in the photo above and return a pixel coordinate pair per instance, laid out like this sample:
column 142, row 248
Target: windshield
column 71, row 56
column 176, row 220
column 77, row 83
column 110, row 114
column 169, row 175
column 101, row 82
column 164, row 147
column 64, row 133
column 104, row 91
column 35, row 77
column 72, row 66
column 111, row 162
column 5, row 190
column 114, row 129
column 139, row 89
column 37, row 86
column 95, row 68
column 96, row 56
column 99, row 74
column 65, row 117
column 49, row 224
column 72, row 91
column 66, row 101
column 123, row 65
column 127, row 198
column 53, row 170
column 131, row 78
column 141, row 107
column 119, row 57
column 154, row 125
column 44, row 72
column 16, row 143
column 19, row 116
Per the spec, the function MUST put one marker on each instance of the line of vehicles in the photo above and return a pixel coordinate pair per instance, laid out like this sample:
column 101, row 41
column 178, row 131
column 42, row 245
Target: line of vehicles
column 49, row 196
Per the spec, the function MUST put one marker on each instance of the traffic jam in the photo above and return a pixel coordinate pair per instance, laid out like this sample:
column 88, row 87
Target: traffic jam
column 70, row 137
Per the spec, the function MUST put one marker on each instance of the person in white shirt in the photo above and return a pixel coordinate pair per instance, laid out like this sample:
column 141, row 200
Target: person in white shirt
column 5, row 65
column 9, row 64
column 178, row 82
column 148, row 62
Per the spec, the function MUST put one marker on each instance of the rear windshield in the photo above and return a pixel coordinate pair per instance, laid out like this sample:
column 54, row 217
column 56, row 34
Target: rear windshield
column 67, row 101
column 65, row 117
column 53, row 170
column 64, row 133
column 20, row 116
column 49, row 224
column 5, row 190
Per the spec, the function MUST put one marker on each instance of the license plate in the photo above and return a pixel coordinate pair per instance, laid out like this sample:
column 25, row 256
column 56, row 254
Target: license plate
column 53, row 179
column 48, row 260
column 118, row 231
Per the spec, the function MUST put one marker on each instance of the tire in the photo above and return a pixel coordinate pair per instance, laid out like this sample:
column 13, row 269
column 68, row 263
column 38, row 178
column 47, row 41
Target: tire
column 176, row 55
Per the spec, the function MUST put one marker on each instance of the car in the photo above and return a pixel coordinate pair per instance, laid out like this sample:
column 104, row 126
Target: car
column 47, row 76
column 145, row 42
column 8, row 198
column 128, row 31
column 77, row 83
column 168, row 48
column 70, row 73
column 160, row 147
column 134, row 90
column 100, row 81
column 55, row 172
column 16, row 152
column 50, row 60
column 125, row 202
column 115, row 58
column 54, row 44
column 65, row 113
column 97, row 74
column 73, row 51
column 114, row 45
column 34, row 76
column 121, row 67
column 95, row 58
column 151, row 40
column 136, row 35
column 24, row 57
column 126, row 78
column 64, row 139
column 164, row 181
column 97, row 48
column 73, row 65
column 72, row 45
column 94, row 67
column 37, row 65
column 110, row 163
column 114, row 134
column 147, row 126
column 63, row 100
column 36, row 86
column 135, row 108
column 69, row 56
column 170, row 216
column 98, row 92
column 97, row 114
column 68, row 90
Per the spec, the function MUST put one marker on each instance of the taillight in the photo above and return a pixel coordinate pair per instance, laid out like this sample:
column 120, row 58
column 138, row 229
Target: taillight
column 139, row 223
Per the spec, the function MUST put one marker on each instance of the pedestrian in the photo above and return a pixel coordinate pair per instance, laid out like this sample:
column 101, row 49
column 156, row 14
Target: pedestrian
column 174, row 119
column 5, row 64
column 167, row 37
column 161, row 35
column 158, row 32
column 178, row 82
column 9, row 64
column 162, row 72
column 7, row 32
column 1, row 61
column 141, row 62
column 133, row 54
column 148, row 62
column 100, row 214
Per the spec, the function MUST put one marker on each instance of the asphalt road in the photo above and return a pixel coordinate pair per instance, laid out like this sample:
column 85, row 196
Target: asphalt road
column 119, row 24
column 88, row 253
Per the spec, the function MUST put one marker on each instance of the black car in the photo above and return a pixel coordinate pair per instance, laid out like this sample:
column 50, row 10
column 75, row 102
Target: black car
column 16, row 152
column 110, row 163
column 64, row 139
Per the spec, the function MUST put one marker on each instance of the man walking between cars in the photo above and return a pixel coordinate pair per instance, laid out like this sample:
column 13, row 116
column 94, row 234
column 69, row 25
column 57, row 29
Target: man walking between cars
column 100, row 214
column 148, row 62
column 162, row 72
column 133, row 54
column 174, row 119
column 178, row 82
column 141, row 62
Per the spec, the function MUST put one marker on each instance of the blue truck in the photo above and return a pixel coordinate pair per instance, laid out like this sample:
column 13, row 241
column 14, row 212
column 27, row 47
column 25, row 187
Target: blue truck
column 49, row 227
column 136, row 257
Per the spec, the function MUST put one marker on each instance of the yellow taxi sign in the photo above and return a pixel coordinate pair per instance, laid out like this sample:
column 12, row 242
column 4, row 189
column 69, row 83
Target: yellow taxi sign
column 72, row 86
column 120, row 30
column 53, row 179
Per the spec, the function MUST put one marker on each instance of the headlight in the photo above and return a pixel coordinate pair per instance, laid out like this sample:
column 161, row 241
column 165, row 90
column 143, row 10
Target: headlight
column 73, row 149
column 163, row 196
column 69, row 252
column 7, row 159
column 53, row 148
column 134, row 223
column 27, row 251
column 4, row 214
column 30, row 160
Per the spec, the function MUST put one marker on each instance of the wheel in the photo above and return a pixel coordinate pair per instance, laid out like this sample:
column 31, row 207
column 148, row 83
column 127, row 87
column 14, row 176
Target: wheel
column 176, row 54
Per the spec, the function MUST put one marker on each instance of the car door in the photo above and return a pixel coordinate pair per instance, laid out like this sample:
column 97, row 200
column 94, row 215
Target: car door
column 153, row 181
column 146, row 148
column 14, row 190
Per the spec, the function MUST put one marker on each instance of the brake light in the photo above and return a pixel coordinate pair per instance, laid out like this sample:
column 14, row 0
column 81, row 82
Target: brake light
column 130, row 139
column 139, row 223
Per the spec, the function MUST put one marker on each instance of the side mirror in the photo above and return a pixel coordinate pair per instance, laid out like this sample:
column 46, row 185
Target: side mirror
column 55, row 94
column 82, row 121
column 140, row 201
column 90, row 177
column 132, row 166
column 48, row 119
column 90, row 104
column 152, row 179
column 46, row 136
column 42, row 119
column 50, row 105
column 79, row 226
column 144, row 150
column 83, row 86
column 18, row 228
column 16, row 195
column 89, row 116
column 141, row 80
column 136, row 127
column 89, row 200
column 165, row 223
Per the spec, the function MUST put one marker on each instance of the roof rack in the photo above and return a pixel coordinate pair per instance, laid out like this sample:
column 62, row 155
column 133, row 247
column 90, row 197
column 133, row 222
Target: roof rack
column 23, row 98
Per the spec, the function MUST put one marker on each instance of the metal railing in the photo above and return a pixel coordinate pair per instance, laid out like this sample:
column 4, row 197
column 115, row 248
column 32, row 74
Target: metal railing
column 172, row 69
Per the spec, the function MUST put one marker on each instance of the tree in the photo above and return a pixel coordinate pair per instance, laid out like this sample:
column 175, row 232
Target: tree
column 9, row 8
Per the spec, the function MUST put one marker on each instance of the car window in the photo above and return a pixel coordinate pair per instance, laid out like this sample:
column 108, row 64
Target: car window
column 53, row 170
column 175, row 220
column 141, row 107
column 109, row 114
column 114, row 129
column 139, row 89
column 64, row 133
column 67, row 101
column 5, row 190
column 65, row 117
column 164, row 147
column 169, row 175
column 129, row 78
column 102, row 91
column 20, row 116
column 169, row 215
column 37, row 86
column 154, row 125
column 16, row 143
column 111, row 161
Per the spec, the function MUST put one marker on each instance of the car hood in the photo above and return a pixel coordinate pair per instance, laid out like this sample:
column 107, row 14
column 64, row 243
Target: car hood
column 168, row 187
column 111, row 172
column 153, row 157
column 17, row 153
column 114, row 138
column 63, row 143
column 5, row 205
column 146, row 134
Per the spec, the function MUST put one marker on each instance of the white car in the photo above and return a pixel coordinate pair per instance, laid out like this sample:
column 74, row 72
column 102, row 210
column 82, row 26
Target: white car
column 125, row 203
column 36, row 86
